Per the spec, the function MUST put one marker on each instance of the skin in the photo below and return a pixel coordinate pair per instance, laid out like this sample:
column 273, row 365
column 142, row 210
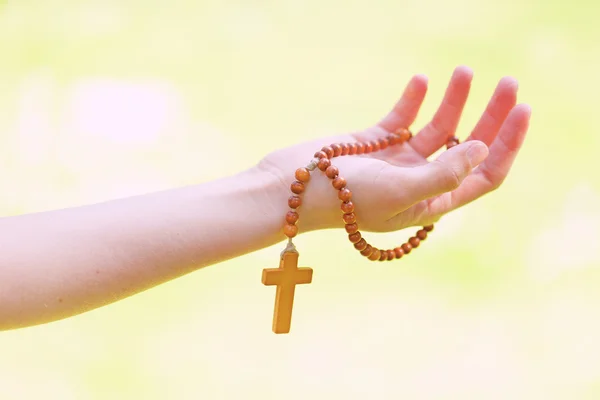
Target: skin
column 62, row 263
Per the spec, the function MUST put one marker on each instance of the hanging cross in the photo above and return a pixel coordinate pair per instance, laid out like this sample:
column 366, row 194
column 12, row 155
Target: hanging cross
column 286, row 277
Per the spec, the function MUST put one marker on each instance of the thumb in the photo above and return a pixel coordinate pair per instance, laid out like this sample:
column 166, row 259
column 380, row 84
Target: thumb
column 447, row 172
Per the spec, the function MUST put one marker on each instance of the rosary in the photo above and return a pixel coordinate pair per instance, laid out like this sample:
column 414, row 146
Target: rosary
column 288, row 275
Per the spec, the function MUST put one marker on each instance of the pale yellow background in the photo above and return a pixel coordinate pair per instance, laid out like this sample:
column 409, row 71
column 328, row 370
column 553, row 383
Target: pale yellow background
column 103, row 99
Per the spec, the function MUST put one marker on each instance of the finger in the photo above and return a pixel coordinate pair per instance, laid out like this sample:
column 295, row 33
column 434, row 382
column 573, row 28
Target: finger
column 445, row 121
column 405, row 111
column 440, row 176
column 502, row 101
column 490, row 174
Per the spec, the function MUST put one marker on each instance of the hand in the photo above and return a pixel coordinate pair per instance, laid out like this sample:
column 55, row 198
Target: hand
column 398, row 187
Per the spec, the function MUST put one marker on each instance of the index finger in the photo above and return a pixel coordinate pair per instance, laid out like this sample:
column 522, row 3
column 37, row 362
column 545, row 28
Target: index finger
column 405, row 111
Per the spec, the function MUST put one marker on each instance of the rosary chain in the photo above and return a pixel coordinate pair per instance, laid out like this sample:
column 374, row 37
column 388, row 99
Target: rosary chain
column 322, row 161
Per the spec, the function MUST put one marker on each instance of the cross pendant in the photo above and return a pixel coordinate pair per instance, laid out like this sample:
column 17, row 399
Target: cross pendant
column 286, row 277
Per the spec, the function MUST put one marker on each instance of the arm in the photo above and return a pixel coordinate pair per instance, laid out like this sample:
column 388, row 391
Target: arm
column 58, row 264
column 61, row 263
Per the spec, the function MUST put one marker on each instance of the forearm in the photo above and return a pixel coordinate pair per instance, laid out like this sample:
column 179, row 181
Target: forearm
column 61, row 263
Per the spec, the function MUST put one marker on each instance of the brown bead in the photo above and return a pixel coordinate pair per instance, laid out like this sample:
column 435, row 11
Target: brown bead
column 355, row 237
column 337, row 149
column 361, row 245
column 351, row 228
column 344, row 194
column 345, row 149
column 406, row 248
column 349, row 218
column 327, row 150
column 428, row 228
column 332, row 171
column 399, row 252
column 367, row 251
column 303, row 174
column 422, row 234
column 339, row 183
column 347, row 207
column 291, row 217
column 323, row 163
column 290, row 230
column 360, row 148
column 391, row 255
column 375, row 254
column 294, row 201
column 368, row 148
column 297, row 187
column 394, row 139
column 375, row 145
column 353, row 149
column 453, row 141
column 383, row 143
column 414, row 242
column 383, row 255
column 320, row 154
column 404, row 134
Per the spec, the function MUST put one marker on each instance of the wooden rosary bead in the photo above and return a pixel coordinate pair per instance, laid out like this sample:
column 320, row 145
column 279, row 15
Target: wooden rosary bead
column 349, row 218
column 294, row 201
column 404, row 134
column 327, row 150
column 422, row 234
column 398, row 252
column 453, row 141
column 323, row 163
column 297, row 187
column 361, row 245
column 406, row 248
column 353, row 149
column 368, row 148
column 383, row 255
column 428, row 228
column 303, row 175
column 383, row 143
column 414, row 242
column 367, row 250
column 347, row 207
column 339, row 183
column 345, row 149
column 394, row 139
column 320, row 154
column 290, row 230
column 351, row 228
column 360, row 148
column 375, row 255
column 391, row 255
column 291, row 217
column 332, row 171
column 345, row 194
column 375, row 146
column 337, row 149
column 355, row 237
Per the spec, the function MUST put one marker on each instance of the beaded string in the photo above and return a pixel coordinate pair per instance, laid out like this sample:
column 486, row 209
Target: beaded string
column 322, row 161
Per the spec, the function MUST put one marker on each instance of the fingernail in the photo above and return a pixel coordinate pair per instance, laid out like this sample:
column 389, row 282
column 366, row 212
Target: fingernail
column 476, row 153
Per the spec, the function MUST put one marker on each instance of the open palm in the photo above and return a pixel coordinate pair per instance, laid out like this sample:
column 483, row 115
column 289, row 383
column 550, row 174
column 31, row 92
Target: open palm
column 399, row 187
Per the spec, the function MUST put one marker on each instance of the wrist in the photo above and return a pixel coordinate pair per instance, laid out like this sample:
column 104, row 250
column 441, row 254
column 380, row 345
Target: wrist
column 268, row 197
column 316, row 211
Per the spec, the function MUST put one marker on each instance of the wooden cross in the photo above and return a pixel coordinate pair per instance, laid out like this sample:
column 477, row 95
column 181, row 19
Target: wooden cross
column 286, row 277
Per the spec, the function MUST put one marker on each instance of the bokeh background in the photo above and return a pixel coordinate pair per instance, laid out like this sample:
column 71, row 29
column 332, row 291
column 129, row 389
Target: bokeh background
column 102, row 99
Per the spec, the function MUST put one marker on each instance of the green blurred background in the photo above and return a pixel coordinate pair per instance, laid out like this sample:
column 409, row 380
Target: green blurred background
column 105, row 99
